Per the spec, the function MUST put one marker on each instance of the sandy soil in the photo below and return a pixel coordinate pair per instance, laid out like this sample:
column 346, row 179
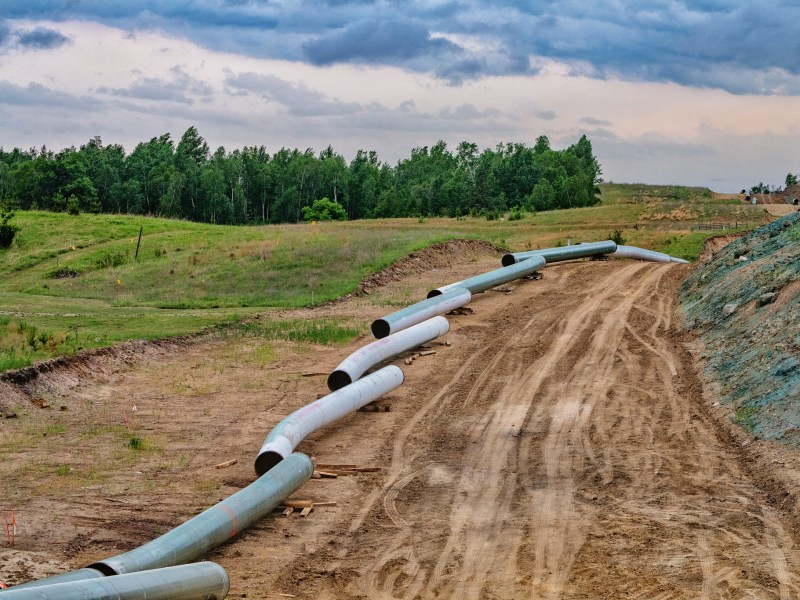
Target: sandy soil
column 561, row 447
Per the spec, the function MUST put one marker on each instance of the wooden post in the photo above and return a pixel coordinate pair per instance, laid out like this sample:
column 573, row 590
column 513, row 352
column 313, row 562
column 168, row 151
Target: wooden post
column 136, row 256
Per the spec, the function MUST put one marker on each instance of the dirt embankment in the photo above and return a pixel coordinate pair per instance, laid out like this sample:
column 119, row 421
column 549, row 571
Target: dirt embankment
column 433, row 258
column 743, row 304
column 560, row 447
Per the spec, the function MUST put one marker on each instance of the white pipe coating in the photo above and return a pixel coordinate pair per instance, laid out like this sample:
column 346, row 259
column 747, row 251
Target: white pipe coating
column 293, row 429
column 363, row 359
column 643, row 254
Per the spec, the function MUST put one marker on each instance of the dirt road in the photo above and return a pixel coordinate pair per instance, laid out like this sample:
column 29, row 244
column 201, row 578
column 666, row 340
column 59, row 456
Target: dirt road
column 558, row 449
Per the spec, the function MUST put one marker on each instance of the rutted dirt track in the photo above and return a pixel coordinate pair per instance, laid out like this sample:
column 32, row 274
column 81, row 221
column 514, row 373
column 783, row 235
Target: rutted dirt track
column 559, row 448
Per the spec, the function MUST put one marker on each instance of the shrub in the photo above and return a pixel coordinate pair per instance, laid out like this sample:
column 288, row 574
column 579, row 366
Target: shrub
column 515, row 214
column 324, row 210
column 7, row 231
column 73, row 206
column 112, row 259
column 617, row 237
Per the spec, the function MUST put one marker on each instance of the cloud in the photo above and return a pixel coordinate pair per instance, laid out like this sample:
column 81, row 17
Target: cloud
column 181, row 88
column 690, row 42
column 41, row 38
column 373, row 41
column 297, row 98
column 36, row 94
column 593, row 121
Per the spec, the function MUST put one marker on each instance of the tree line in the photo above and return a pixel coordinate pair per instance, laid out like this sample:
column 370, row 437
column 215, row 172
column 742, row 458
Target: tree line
column 186, row 180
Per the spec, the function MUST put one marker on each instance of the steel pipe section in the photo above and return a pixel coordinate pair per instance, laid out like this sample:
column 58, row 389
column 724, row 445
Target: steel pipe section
column 363, row 359
column 486, row 281
column 642, row 254
column 216, row 525
column 551, row 255
column 77, row 575
column 293, row 429
column 198, row 581
column 419, row 312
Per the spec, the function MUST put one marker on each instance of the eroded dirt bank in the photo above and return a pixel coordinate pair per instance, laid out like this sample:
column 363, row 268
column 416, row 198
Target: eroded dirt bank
column 559, row 448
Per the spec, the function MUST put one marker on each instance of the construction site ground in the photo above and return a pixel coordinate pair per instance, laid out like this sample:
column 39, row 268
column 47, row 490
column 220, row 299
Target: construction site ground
column 561, row 445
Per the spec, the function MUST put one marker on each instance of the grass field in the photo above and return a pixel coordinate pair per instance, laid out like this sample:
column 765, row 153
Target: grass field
column 76, row 282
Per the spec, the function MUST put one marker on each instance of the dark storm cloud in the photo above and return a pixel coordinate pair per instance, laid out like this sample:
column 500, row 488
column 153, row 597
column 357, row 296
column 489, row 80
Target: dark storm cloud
column 743, row 47
column 373, row 41
column 41, row 37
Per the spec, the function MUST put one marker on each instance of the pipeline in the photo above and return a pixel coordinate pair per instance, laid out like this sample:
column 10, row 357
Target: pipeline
column 552, row 255
column 198, row 581
column 419, row 312
column 287, row 434
column 486, row 281
column 366, row 357
column 642, row 254
column 216, row 525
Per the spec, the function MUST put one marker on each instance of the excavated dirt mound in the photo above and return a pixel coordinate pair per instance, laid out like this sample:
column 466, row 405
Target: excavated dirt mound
column 61, row 375
column 438, row 256
column 714, row 244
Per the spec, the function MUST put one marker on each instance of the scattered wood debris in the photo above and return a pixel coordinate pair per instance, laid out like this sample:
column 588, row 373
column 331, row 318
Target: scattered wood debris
column 427, row 353
column 226, row 464
column 461, row 310
column 305, row 507
column 375, row 407
column 315, row 373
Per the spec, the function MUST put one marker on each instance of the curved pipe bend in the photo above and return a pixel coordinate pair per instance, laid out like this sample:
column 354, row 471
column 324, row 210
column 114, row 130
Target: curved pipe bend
column 302, row 422
column 643, row 254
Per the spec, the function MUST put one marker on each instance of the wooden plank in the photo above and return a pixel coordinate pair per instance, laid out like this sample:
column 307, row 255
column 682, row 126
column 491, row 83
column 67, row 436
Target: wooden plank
column 297, row 503
column 306, row 511
column 427, row 353
column 315, row 373
column 327, row 474
column 226, row 464
column 287, row 511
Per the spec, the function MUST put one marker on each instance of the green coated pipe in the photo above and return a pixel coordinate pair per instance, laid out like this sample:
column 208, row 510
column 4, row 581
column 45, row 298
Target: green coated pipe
column 196, row 581
column 552, row 255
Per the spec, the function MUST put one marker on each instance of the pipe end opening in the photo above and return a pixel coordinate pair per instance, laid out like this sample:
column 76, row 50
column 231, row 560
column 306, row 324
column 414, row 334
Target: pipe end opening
column 104, row 569
column 380, row 329
column 266, row 460
column 338, row 379
column 508, row 260
column 434, row 293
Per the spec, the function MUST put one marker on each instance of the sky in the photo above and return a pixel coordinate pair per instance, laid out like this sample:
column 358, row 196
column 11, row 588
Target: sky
column 702, row 92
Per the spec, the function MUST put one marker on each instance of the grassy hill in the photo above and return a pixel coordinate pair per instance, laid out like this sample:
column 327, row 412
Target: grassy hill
column 75, row 282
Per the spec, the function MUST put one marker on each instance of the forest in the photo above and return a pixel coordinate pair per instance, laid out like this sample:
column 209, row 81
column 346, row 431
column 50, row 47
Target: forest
column 188, row 181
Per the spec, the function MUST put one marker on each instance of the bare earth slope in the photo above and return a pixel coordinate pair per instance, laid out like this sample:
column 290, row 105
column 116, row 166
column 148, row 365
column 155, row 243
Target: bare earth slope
column 558, row 449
